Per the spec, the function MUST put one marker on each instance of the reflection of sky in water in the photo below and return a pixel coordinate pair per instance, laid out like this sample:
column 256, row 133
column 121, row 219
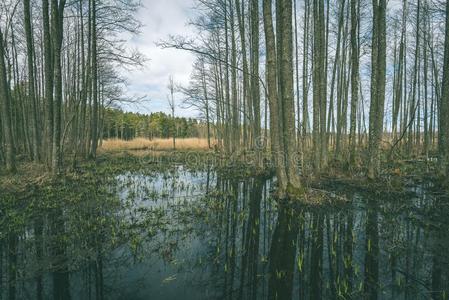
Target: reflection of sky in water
column 185, row 261
column 162, row 275
column 208, row 256
column 160, row 189
column 198, row 235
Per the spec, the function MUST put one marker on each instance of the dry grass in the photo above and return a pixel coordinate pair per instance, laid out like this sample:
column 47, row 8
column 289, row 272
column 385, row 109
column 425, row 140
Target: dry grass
column 27, row 174
column 155, row 144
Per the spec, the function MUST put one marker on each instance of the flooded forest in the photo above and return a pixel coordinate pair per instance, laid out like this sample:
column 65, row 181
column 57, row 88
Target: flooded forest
column 304, row 156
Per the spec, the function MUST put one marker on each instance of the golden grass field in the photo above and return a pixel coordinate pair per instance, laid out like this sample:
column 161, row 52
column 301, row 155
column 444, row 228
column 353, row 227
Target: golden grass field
column 154, row 144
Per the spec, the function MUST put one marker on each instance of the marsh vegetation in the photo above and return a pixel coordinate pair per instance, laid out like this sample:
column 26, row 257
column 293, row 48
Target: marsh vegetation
column 134, row 229
column 316, row 168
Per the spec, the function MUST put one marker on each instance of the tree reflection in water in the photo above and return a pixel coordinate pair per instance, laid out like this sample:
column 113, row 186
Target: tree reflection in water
column 195, row 234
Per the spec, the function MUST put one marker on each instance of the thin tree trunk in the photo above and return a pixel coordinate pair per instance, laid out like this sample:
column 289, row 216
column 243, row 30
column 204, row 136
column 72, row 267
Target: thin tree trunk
column 247, row 113
column 413, row 106
column 94, row 128
column 354, row 80
column 319, row 88
column 305, row 74
column 426, row 72
column 31, row 79
column 298, row 108
column 48, row 74
column 255, row 85
column 235, row 111
column 444, row 104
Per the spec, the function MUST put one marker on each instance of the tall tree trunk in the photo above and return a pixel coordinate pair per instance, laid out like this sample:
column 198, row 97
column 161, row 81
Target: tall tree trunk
column 426, row 74
column 273, row 97
column 413, row 106
column 286, row 88
column 400, row 73
column 227, row 105
column 247, row 113
column 94, row 128
column 5, row 102
column 444, row 104
column 31, row 80
column 57, row 37
column 337, row 66
column 83, row 92
column 378, row 78
column 206, row 99
column 323, row 82
column 319, row 89
column 305, row 74
column 298, row 108
column 48, row 74
column 255, row 85
column 235, row 109
column 354, row 80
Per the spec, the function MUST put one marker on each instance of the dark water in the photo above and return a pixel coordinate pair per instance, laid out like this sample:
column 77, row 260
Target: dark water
column 183, row 234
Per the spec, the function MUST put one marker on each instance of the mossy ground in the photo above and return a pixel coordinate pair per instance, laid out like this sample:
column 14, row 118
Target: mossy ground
column 395, row 176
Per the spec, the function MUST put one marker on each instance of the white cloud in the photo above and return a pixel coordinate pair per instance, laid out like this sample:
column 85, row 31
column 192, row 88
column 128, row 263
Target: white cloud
column 161, row 19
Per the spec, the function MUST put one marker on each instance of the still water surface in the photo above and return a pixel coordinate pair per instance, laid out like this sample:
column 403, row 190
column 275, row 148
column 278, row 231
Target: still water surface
column 189, row 234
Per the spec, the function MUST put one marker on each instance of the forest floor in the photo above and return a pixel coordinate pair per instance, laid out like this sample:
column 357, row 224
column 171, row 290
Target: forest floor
column 122, row 156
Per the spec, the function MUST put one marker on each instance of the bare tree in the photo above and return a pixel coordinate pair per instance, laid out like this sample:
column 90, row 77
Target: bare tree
column 5, row 102
column 172, row 105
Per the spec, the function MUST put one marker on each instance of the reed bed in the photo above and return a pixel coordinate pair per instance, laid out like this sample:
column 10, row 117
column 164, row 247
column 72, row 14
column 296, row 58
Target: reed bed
column 157, row 144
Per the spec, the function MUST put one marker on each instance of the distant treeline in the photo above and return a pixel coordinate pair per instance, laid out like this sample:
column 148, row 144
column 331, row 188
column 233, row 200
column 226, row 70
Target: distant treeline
column 128, row 125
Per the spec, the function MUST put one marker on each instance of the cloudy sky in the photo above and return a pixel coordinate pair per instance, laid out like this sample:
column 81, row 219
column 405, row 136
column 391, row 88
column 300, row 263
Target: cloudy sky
column 161, row 18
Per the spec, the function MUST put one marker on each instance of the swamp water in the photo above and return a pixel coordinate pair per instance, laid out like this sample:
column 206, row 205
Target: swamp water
column 194, row 234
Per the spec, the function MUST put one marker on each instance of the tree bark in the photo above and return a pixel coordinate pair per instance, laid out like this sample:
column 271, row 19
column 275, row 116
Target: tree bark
column 319, row 89
column 354, row 80
column 273, row 98
column 378, row 78
column 255, row 85
column 31, row 80
column 48, row 84
column 287, row 94
column 94, row 51
column 444, row 104
column 57, row 37
column 235, row 110
column 5, row 102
